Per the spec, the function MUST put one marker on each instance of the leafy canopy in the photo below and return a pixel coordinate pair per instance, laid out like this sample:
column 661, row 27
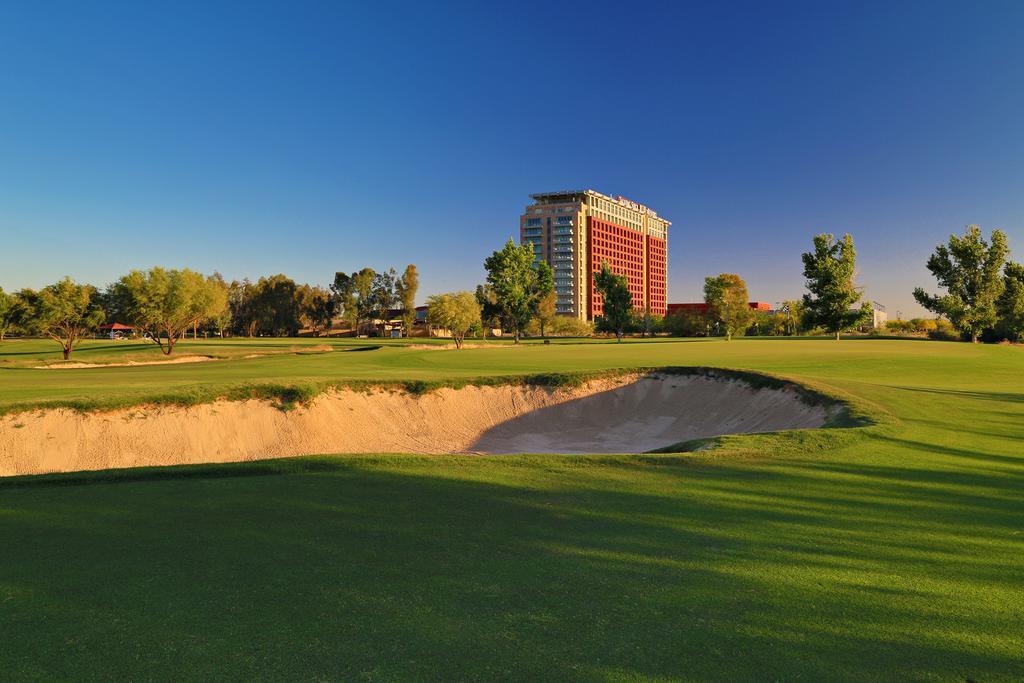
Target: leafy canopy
column 547, row 311
column 8, row 312
column 830, row 271
column 406, row 288
column 1010, row 305
column 517, row 284
column 315, row 308
column 65, row 311
column 728, row 303
column 383, row 294
column 618, row 301
column 164, row 303
column 968, row 268
column 458, row 312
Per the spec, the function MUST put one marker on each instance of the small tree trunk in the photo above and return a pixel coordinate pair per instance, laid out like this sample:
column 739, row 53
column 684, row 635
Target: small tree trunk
column 67, row 352
column 837, row 335
column 170, row 344
column 974, row 337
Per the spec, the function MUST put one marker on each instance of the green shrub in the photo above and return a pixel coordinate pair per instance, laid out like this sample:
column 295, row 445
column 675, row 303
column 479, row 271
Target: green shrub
column 563, row 326
column 686, row 324
column 944, row 331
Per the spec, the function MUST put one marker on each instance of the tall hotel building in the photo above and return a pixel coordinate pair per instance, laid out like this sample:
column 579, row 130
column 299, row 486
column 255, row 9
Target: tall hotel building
column 574, row 231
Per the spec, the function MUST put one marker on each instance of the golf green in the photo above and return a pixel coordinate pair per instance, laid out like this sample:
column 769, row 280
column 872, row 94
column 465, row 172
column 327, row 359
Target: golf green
column 892, row 551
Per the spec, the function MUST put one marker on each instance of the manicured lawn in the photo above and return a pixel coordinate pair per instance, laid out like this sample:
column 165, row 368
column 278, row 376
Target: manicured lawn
column 294, row 362
column 892, row 552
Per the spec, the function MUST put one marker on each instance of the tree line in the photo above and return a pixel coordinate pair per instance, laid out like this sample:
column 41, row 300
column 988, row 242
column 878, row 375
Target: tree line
column 983, row 297
column 163, row 305
column 829, row 305
column 518, row 293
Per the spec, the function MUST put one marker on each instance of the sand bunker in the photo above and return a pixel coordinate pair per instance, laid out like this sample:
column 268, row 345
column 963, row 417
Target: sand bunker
column 629, row 414
column 650, row 413
column 127, row 364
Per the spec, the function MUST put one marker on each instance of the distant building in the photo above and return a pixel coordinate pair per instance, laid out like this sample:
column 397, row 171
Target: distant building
column 701, row 307
column 574, row 231
column 117, row 330
column 879, row 316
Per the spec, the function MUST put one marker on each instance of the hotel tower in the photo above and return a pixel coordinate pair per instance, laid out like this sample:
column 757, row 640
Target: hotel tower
column 574, row 231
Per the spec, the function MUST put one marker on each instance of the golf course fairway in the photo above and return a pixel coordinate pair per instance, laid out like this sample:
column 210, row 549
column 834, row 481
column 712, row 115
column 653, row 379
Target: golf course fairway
column 889, row 547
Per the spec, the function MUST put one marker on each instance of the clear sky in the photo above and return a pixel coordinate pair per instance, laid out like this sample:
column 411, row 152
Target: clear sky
column 255, row 138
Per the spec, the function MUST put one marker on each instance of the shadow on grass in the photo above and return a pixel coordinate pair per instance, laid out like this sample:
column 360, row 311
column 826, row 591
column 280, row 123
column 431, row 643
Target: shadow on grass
column 514, row 568
column 1000, row 396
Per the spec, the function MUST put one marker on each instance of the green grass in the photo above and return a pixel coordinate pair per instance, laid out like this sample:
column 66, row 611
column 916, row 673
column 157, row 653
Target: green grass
column 888, row 552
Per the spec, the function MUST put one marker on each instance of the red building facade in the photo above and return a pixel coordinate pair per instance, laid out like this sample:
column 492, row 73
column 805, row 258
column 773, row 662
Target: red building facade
column 641, row 259
column 657, row 275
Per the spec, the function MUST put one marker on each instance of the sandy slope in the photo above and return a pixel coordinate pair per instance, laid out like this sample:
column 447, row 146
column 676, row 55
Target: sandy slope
column 627, row 414
column 74, row 365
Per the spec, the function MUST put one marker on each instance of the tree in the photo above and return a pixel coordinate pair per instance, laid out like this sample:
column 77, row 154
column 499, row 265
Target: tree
column 518, row 284
column 242, row 307
column 211, row 301
column 66, row 312
column 618, row 301
column 686, row 323
column 830, row 271
column 218, row 312
column 1010, row 305
column 792, row 316
column 315, row 307
column 728, row 303
column 568, row 326
column 276, row 305
column 766, row 324
column 344, row 299
column 968, row 268
column 648, row 323
column 222, row 322
column 546, row 311
column 362, row 293
column 357, row 296
column 406, row 288
column 164, row 303
column 489, row 311
column 384, row 296
column 458, row 312
column 8, row 312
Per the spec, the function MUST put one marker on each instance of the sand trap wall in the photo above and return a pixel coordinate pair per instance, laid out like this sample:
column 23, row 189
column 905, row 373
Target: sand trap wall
column 622, row 415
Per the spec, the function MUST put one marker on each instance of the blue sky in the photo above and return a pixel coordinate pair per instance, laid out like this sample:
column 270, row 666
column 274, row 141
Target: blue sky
column 304, row 138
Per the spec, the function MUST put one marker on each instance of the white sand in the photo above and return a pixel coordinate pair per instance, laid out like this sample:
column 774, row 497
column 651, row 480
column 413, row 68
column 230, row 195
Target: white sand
column 623, row 415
